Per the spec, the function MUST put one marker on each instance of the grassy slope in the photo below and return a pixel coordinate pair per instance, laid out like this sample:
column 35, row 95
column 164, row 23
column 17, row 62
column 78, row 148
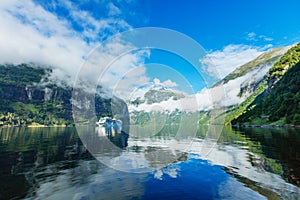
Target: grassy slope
column 278, row 101
column 266, row 59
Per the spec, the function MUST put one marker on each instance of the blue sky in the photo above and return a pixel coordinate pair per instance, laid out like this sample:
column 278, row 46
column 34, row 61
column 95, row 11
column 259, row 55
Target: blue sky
column 217, row 23
column 214, row 24
column 232, row 32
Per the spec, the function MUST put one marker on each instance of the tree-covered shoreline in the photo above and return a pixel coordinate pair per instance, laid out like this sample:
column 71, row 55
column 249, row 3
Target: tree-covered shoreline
column 29, row 98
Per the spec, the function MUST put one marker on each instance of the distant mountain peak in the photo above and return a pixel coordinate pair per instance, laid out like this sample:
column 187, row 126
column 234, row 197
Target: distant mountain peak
column 155, row 93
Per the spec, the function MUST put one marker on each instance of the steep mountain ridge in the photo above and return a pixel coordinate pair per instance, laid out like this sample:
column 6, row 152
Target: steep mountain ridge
column 249, row 75
column 278, row 102
column 248, row 81
column 266, row 59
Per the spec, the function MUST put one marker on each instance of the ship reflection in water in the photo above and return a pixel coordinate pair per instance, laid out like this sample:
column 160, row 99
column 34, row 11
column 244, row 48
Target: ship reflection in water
column 53, row 163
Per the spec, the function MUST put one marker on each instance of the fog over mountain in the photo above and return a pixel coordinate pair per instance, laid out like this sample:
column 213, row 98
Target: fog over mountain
column 237, row 86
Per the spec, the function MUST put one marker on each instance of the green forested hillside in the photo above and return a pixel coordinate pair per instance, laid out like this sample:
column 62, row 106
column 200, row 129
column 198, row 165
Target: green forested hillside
column 20, row 75
column 238, row 110
column 22, row 101
column 28, row 98
column 253, row 86
column 279, row 103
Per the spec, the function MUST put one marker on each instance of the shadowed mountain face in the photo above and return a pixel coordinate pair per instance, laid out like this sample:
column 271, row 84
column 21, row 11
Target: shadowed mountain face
column 29, row 97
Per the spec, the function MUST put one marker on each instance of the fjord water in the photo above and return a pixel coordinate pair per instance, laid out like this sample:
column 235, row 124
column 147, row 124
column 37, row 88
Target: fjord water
column 52, row 163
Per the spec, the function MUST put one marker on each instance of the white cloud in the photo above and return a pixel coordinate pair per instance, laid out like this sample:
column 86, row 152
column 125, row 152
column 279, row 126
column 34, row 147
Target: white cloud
column 156, row 81
column 42, row 38
column 96, row 29
column 118, row 74
column 252, row 36
column 206, row 99
column 167, row 83
column 29, row 33
column 113, row 10
column 229, row 58
column 265, row 38
column 233, row 87
column 123, row 84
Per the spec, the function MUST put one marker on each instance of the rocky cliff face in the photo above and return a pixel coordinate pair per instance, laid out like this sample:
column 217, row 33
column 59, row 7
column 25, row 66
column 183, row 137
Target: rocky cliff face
column 28, row 97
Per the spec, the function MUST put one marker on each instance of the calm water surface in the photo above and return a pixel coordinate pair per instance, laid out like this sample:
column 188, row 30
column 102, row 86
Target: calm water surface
column 52, row 163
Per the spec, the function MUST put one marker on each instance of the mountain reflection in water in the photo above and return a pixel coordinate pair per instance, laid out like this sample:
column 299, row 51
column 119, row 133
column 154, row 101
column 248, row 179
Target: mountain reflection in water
column 52, row 163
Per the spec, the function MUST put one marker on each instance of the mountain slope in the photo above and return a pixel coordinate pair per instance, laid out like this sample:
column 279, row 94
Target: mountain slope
column 242, row 86
column 278, row 101
column 245, row 83
column 155, row 95
column 262, row 61
column 28, row 97
column 246, row 79
column 162, row 94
